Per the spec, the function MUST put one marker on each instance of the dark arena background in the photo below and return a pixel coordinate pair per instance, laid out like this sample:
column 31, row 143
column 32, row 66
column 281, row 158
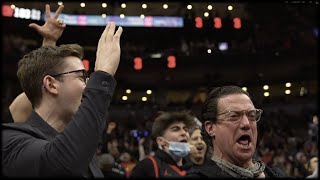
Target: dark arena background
column 172, row 53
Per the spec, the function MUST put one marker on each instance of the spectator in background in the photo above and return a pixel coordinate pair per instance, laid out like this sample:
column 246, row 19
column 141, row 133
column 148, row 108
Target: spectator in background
column 142, row 151
column 113, row 147
column 312, row 167
column 61, row 135
column 230, row 121
column 300, row 165
column 170, row 131
column 127, row 162
column 108, row 135
column 109, row 167
column 199, row 148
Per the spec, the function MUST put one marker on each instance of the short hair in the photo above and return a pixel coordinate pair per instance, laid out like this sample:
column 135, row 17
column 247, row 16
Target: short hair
column 35, row 65
column 106, row 161
column 165, row 119
column 197, row 126
column 210, row 106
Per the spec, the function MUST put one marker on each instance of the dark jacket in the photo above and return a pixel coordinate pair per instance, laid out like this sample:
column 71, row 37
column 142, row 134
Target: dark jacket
column 167, row 167
column 35, row 149
column 211, row 170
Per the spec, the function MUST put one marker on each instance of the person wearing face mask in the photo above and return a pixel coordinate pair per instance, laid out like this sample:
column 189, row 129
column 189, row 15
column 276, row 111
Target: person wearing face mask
column 170, row 130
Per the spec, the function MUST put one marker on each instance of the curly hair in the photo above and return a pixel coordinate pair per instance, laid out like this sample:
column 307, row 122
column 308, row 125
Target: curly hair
column 165, row 119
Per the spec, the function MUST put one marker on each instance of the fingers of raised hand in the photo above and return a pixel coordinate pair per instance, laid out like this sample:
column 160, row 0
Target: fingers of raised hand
column 58, row 12
column 110, row 33
column 104, row 34
column 60, row 21
column 102, row 38
column 116, row 37
column 47, row 12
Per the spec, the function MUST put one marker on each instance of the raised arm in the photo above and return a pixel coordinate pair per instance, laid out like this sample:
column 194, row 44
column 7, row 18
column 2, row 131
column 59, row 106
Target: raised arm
column 20, row 108
column 142, row 154
column 108, row 51
column 51, row 31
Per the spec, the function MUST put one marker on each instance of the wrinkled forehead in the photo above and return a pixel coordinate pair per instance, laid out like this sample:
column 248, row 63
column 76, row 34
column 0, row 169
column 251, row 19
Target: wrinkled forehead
column 235, row 102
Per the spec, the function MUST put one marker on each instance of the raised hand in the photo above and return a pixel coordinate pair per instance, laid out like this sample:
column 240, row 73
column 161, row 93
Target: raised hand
column 53, row 28
column 111, row 127
column 108, row 51
column 141, row 141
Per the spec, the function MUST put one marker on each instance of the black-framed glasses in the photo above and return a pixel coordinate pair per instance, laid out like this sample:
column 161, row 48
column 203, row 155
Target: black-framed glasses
column 84, row 77
column 236, row 116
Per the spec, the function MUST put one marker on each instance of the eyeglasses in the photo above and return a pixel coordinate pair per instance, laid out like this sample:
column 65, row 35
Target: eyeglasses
column 236, row 116
column 83, row 77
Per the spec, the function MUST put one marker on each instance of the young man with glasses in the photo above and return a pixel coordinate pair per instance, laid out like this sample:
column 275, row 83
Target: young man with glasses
column 61, row 136
column 21, row 108
column 230, row 121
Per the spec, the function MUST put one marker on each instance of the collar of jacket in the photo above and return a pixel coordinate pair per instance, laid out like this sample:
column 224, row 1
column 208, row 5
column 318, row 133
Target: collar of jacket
column 166, row 157
column 35, row 126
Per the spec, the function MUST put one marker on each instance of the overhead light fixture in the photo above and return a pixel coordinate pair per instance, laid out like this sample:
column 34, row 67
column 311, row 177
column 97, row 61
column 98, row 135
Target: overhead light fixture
column 165, row 6
column 223, row 46
column 144, row 6
column 156, row 55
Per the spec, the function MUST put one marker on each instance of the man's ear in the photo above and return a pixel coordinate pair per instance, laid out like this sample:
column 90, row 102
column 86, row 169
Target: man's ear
column 50, row 84
column 161, row 142
column 210, row 128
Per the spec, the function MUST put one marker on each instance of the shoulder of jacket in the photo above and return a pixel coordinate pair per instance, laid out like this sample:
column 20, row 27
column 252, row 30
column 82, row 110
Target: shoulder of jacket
column 275, row 171
column 21, row 130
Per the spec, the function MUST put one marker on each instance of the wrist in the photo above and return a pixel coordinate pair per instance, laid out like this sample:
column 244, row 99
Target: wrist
column 48, row 42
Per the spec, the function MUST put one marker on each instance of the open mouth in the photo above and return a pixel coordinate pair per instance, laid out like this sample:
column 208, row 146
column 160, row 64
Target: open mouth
column 184, row 140
column 244, row 140
column 199, row 148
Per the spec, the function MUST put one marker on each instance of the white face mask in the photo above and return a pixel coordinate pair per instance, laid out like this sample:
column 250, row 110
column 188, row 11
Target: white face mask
column 178, row 149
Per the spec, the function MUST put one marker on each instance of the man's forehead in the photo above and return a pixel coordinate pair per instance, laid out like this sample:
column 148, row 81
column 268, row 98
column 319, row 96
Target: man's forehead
column 177, row 124
column 234, row 99
column 72, row 61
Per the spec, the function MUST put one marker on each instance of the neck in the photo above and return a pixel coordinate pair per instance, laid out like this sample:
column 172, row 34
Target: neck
column 53, row 117
column 178, row 161
column 197, row 160
column 220, row 156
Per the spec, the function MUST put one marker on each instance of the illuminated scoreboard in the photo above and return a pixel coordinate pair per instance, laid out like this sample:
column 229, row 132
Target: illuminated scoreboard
column 97, row 20
column 218, row 22
column 22, row 13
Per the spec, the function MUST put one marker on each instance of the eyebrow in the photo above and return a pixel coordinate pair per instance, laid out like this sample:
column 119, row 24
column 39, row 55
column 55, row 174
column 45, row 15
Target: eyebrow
column 177, row 126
